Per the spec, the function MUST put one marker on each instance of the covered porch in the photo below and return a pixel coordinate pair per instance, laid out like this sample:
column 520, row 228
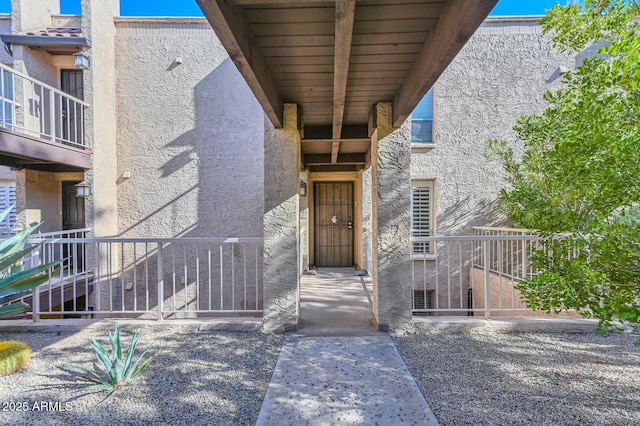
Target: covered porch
column 337, row 81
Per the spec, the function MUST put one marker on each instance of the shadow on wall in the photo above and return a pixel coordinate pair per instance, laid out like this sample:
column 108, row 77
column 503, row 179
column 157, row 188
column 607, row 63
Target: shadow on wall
column 461, row 217
column 219, row 166
column 224, row 145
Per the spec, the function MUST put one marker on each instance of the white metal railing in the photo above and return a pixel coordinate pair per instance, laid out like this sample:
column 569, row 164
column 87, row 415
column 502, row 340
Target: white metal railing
column 151, row 277
column 70, row 257
column 32, row 107
column 456, row 280
column 508, row 258
column 8, row 233
column 421, row 247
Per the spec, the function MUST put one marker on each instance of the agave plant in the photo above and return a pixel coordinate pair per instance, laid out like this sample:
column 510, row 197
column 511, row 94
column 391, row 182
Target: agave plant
column 12, row 279
column 119, row 371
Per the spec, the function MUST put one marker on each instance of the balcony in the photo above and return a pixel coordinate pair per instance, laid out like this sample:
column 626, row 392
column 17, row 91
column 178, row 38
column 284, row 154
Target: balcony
column 41, row 127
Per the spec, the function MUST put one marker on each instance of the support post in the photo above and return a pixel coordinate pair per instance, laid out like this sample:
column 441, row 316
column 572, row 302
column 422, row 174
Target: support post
column 281, row 275
column 391, row 201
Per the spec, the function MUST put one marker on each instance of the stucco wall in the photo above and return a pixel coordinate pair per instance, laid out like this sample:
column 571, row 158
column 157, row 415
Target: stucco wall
column 7, row 173
column 190, row 134
column 5, row 28
column 44, row 198
column 500, row 75
column 66, row 20
column 29, row 15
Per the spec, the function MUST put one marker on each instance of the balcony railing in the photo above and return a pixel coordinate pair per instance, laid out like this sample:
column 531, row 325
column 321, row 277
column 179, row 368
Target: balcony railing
column 473, row 274
column 149, row 277
column 36, row 109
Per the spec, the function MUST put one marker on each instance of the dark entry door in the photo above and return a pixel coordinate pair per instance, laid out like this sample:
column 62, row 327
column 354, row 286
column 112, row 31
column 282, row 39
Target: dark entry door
column 71, row 84
column 73, row 218
column 333, row 223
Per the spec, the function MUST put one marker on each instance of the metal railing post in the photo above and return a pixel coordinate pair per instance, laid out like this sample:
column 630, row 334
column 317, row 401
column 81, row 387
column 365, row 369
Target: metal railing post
column 525, row 258
column 52, row 115
column 487, row 280
column 160, row 282
column 36, row 304
column 35, row 301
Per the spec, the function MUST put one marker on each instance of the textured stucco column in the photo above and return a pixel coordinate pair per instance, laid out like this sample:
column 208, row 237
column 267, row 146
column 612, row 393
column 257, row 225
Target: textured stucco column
column 100, row 120
column 281, row 223
column 100, row 134
column 29, row 15
column 391, row 202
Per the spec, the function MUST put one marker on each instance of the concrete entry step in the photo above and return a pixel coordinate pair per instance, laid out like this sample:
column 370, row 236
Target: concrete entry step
column 336, row 303
column 336, row 270
column 343, row 381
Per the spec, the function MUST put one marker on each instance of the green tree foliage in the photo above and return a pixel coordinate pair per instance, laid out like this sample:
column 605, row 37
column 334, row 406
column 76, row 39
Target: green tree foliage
column 580, row 171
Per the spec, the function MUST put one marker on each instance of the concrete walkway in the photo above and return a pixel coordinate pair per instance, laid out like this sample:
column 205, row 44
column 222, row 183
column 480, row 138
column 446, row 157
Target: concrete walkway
column 333, row 303
column 338, row 370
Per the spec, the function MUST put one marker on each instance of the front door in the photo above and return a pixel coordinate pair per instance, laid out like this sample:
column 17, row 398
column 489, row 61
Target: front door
column 333, row 217
column 73, row 218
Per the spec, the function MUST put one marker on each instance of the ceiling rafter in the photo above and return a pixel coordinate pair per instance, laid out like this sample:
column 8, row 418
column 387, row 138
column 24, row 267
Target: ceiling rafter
column 345, row 14
column 232, row 28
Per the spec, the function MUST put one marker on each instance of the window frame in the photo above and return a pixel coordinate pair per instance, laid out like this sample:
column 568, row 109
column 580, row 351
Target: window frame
column 430, row 231
column 6, row 189
column 424, row 144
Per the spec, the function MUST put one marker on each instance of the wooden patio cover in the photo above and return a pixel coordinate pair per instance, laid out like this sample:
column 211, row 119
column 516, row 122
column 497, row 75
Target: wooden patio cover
column 338, row 58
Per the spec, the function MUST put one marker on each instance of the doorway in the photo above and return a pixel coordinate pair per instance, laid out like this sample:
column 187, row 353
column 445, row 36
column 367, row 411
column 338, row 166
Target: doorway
column 333, row 224
column 71, row 83
column 73, row 218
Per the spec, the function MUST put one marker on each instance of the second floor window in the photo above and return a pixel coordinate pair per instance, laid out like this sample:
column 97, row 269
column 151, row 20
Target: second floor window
column 422, row 120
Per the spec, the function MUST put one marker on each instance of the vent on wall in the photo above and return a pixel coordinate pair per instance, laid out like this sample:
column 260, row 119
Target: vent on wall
column 423, row 299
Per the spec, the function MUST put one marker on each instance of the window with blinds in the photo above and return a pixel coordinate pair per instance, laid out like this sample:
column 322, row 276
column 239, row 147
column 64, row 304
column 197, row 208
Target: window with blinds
column 422, row 214
column 8, row 198
column 422, row 120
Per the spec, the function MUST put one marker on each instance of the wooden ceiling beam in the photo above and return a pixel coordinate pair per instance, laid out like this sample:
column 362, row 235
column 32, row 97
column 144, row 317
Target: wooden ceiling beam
column 232, row 28
column 357, row 140
column 457, row 23
column 342, row 159
column 345, row 13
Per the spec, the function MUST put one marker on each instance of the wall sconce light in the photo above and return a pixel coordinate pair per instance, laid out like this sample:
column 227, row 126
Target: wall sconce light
column 303, row 189
column 562, row 70
column 83, row 189
column 82, row 61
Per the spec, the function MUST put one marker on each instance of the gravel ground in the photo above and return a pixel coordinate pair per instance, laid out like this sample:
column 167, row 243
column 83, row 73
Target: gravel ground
column 203, row 377
column 527, row 379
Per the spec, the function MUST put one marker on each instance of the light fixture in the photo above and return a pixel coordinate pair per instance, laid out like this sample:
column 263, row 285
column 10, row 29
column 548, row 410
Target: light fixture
column 82, row 61
column 562, row 70
column 83, row 189
column 303, row 189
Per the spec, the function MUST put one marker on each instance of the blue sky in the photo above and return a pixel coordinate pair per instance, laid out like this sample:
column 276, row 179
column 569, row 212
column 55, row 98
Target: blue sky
column 190, row 8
